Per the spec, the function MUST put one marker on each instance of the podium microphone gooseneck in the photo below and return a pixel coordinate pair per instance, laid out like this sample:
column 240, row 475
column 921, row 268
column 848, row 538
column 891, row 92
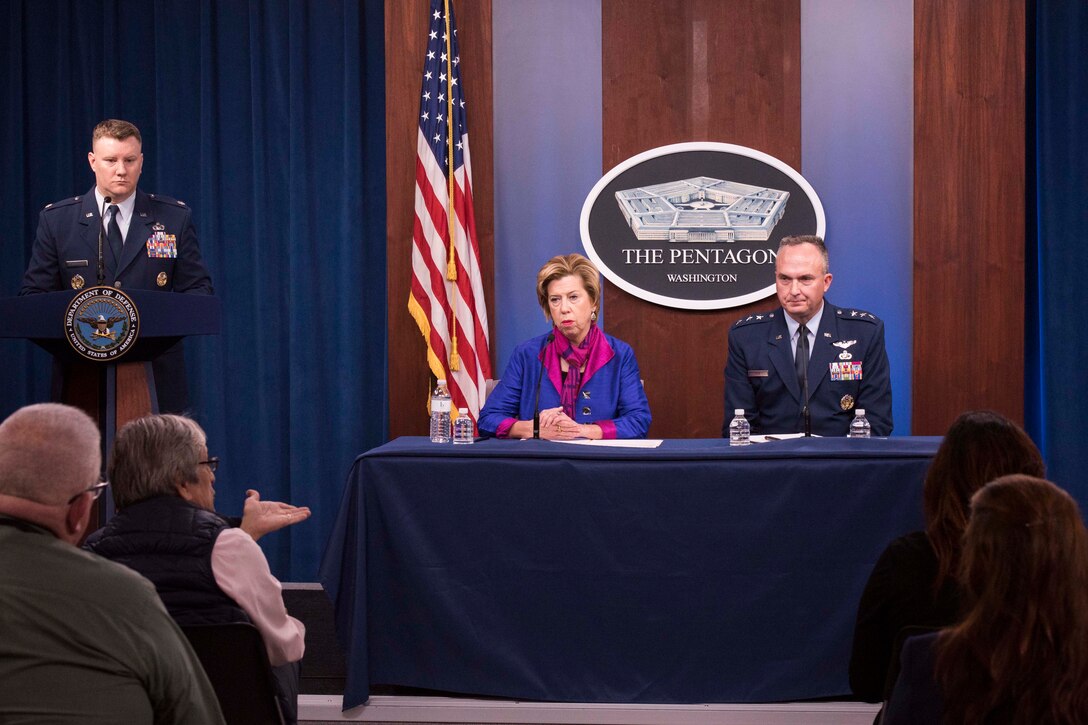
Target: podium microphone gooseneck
column 101, row 234
column 543, row 371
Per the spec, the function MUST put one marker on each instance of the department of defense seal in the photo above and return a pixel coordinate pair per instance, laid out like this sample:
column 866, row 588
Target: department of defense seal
column 101, row 323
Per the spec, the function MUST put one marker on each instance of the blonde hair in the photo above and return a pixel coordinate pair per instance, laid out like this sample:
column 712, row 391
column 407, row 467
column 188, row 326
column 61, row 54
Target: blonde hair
column 115, row 129
column 567, row 265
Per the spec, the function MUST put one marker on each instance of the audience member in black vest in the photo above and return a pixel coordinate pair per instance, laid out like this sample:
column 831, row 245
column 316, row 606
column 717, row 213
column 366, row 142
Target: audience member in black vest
column 82, row 639
column 1019, row 654
column 914, row 583
column 205, row 569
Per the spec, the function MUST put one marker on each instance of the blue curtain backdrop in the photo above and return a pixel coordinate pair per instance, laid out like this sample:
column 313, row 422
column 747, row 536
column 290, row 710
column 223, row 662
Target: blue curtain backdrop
column 1057, row 348
column 268, row 119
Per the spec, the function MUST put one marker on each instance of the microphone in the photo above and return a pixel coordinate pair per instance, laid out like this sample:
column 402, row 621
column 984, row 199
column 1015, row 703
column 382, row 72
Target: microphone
column 543, row 371
column 101, row 234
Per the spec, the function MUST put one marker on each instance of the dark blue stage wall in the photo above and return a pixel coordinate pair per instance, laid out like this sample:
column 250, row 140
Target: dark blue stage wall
column 1057, row 346
column 267, row 119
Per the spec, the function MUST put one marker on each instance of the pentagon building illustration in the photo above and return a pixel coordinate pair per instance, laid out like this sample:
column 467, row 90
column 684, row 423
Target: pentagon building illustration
column 702, row 210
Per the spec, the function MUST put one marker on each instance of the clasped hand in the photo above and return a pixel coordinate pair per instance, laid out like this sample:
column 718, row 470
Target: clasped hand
column 557, row 425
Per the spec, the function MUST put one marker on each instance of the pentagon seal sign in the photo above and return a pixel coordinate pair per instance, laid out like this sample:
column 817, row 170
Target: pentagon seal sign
column 101, row 323
column 697, row 225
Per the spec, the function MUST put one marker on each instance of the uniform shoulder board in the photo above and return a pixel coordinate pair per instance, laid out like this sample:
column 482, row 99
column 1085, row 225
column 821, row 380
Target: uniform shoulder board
column 849, row 313
column 167, row 200
column 63, row 203
column 754, row 318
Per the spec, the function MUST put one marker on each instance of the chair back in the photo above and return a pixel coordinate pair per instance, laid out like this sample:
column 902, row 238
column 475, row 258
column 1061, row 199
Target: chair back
column 895, row 665
column 236, row 662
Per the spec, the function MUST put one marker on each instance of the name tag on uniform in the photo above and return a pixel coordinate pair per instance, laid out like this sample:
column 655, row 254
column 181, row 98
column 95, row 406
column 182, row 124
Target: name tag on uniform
column 757, row 373
column 847, row 370
column 161, row 245
column 75, row 263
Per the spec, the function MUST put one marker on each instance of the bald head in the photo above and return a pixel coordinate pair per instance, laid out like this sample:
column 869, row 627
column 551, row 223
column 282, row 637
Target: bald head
column 48, row 453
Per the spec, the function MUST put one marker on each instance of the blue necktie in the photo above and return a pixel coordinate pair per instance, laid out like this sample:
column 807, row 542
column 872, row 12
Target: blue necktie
column 800, row 360
column 113, row 236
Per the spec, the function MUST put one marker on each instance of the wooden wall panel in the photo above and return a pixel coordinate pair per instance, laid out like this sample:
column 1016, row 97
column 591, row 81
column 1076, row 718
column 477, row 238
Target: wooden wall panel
column 969, row 224
column 406, row 26
column 694, row 70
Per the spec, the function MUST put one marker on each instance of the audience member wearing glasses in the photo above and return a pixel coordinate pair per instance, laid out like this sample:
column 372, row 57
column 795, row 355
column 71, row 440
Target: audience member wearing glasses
column 82, row 639
column 206, row 569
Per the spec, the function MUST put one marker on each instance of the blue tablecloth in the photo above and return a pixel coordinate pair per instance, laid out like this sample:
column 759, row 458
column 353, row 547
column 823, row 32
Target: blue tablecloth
column 693, row 572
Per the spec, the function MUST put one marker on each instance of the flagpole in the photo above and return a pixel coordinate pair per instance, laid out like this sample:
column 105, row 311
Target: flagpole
column 451, row 266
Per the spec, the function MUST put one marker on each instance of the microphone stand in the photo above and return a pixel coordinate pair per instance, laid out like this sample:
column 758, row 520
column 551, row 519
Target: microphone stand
column 543, row 371
column 101, row 233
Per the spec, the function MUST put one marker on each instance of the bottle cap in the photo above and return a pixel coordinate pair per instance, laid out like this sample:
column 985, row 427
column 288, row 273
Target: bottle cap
column 462, row 411
column 859, row 412
column 738, row 411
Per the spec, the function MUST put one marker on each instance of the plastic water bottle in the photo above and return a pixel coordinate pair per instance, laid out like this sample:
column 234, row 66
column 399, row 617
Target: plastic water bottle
column 740, row 430
column 463, row 431
column 859, row 426
column 440, row 413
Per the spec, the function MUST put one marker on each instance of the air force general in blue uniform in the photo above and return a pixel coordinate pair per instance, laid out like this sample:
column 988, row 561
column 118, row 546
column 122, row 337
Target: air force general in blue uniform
column 158, row 245
column 847, row 365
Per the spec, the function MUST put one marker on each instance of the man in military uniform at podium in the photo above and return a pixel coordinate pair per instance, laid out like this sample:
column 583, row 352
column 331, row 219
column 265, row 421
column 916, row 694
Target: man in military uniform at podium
column 148, row 242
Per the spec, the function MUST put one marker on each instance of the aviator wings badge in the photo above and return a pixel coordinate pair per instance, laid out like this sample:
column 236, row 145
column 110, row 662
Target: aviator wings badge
column 843, row 344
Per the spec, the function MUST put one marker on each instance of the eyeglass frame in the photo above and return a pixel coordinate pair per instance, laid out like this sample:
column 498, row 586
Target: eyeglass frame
column 95, row 491
column 212, row 463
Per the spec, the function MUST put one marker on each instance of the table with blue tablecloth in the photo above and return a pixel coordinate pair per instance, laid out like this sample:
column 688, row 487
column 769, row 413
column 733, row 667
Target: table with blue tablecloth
column 691, row 572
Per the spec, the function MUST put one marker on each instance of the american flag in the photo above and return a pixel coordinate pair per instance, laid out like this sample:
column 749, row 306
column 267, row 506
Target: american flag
column 447, row 284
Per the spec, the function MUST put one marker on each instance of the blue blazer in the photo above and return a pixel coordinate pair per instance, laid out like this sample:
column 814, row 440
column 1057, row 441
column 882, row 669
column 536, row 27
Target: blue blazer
column 611, row 394
column 67, row 245
column 760, row 377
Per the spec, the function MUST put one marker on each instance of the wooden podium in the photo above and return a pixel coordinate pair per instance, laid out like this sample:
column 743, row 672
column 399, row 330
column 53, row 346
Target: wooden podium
column 112, row 393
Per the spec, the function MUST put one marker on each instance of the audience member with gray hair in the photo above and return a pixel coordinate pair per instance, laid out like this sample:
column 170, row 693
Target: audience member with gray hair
column 82, row 640
column 206, row 569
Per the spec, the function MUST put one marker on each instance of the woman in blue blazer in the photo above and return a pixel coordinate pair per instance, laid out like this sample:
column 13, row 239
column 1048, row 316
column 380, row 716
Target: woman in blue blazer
column 575, row 381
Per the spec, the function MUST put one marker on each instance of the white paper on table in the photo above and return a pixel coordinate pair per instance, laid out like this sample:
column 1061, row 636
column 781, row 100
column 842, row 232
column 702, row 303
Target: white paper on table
column 776, row 437
column 617, row 443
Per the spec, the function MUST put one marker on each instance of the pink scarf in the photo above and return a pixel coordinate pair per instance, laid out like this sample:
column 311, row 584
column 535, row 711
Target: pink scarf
column 576, row 358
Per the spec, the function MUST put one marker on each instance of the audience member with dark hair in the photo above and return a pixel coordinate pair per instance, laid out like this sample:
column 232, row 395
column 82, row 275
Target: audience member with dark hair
column 206, row 570
column 1019, row 654
column 914, row 582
